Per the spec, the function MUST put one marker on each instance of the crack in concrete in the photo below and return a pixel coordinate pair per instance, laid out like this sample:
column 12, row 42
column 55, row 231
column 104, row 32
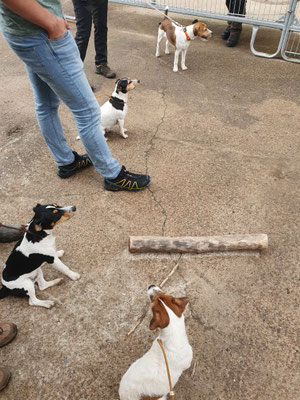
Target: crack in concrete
column 147, row 154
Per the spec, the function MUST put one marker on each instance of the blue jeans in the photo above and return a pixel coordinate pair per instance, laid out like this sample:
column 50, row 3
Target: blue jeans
column 56, row 73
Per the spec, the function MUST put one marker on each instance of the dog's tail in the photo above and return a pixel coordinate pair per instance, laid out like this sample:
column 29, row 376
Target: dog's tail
column 166, row 13
column 4, row 292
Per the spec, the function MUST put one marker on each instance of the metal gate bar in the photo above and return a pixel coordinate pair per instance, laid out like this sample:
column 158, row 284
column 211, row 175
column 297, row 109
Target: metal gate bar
column 277, row 14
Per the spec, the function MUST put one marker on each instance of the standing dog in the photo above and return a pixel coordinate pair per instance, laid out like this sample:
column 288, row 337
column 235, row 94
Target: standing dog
column 23, row 267
column 147, row 377
column 180, row 38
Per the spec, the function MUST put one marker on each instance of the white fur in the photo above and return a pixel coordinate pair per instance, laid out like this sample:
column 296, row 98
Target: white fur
column 110, row 116
column 148, row 375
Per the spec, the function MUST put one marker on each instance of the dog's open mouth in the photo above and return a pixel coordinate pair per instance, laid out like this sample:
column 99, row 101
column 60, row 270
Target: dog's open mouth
column 204, row 37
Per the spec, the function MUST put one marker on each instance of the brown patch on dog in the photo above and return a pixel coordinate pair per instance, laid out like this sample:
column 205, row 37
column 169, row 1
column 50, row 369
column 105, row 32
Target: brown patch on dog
column 67, row 215
column 200, row 29
column 160, row 315
column 167, row 26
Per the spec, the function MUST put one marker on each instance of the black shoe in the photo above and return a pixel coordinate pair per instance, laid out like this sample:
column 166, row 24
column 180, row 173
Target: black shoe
column 233, row 39
column 127, row 181
column 225, row 35
column 80, row 162
column 103, row 69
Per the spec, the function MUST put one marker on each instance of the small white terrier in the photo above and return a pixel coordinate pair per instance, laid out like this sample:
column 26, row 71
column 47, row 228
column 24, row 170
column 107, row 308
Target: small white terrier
column 147, row 377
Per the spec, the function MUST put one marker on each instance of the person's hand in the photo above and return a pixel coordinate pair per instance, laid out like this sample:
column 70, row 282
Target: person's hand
column 58, row 29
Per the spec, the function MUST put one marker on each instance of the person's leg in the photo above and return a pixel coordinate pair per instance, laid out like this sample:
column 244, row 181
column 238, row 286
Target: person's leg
column 58, row 65
column 83, row 26
column 237, row 7
column 99, row 12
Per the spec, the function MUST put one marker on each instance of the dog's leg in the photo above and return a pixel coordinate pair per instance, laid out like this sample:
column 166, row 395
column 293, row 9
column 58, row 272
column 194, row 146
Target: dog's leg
column 60, row 253
column 167, row 49
column 61, row 267
column 28, row 285
column 43, row 284
column 122, row 130
column 183, row 54
column 176, row 57
column 160, row 35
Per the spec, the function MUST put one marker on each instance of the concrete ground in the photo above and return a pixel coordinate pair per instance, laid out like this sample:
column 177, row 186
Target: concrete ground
column 221, row 143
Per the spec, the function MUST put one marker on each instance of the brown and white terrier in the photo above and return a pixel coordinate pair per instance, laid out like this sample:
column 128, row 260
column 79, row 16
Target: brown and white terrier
column 180, row 38
column 147, row 378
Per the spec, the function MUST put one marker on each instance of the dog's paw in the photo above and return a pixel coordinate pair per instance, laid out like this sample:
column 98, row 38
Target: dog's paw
column 184, row 68
column 167, row 52
column 74, row 276
column 60, row 253
column 156, row 54
column 78, row 137
column 48, row 303
column 175, row 69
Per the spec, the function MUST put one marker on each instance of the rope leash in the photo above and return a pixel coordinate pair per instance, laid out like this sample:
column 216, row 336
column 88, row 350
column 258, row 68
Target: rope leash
column 110, row 97
column 168, row 371
column 22, row 229
column 159, row 11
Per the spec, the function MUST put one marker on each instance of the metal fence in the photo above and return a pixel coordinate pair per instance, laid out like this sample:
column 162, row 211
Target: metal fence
column 283, row 15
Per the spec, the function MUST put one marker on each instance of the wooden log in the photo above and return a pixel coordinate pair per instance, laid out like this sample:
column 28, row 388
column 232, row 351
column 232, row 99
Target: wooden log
column 194, row 244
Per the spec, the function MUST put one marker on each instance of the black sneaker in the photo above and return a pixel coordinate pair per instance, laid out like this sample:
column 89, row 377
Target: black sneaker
column 80, row 162
column 127, row 181
column 103, row 69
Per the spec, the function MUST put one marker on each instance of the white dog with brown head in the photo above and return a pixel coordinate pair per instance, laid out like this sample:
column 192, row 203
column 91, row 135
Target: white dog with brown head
column 147, row 377
column 180, row 38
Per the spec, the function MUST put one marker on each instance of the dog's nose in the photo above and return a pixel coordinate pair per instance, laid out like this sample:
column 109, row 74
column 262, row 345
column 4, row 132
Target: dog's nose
column 73, row 208
column 138, row 81
column 150, row 287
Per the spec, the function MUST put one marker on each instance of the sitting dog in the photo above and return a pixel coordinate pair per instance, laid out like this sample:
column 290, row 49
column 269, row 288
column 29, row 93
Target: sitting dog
column 23, row 267
column 180, row 38
column 114, row 110
column 147, row 377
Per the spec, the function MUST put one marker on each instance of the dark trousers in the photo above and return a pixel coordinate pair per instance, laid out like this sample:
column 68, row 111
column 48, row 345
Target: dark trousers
column 236, row 7
column 88, row 12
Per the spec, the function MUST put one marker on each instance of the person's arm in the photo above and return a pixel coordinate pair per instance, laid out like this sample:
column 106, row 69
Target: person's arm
column 32, row 11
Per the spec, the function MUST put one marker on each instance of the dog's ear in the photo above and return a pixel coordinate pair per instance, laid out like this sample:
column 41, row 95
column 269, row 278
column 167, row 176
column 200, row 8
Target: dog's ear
column 195, row 20
column 160, row 317
column 180, row 304
column 35, row 209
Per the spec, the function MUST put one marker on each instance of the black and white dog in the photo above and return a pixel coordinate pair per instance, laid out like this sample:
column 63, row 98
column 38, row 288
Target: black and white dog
column 23, row 267
column 115, row 109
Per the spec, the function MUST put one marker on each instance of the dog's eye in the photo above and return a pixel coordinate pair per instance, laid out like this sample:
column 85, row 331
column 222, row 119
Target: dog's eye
column 55, row 211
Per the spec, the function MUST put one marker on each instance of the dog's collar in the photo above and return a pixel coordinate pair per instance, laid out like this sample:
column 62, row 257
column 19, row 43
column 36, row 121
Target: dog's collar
column 186, row 34
column 117, row 103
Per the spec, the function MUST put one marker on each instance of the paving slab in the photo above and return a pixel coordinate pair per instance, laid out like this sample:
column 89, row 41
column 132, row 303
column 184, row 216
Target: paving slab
column 221, row 143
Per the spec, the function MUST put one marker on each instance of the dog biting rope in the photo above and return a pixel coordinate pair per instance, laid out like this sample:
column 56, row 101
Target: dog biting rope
column 168, row 371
